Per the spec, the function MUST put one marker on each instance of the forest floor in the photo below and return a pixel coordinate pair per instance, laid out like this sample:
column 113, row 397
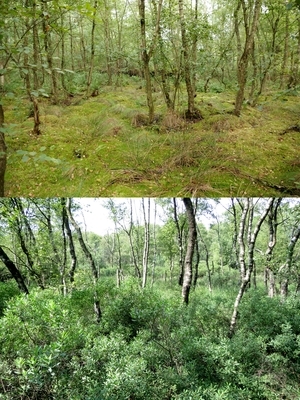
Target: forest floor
column 101, row 147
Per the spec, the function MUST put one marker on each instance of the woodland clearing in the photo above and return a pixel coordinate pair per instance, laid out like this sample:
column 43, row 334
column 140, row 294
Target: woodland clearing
column 102, row 146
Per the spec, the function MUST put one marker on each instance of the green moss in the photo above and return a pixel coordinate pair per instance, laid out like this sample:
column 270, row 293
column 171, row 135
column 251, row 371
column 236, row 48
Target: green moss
column 91, row 148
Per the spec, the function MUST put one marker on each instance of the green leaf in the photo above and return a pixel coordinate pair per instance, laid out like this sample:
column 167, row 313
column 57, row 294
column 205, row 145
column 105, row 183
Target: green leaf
column 43, row 148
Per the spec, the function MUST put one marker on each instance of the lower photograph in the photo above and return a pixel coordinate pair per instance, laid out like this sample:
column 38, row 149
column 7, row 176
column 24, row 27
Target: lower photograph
column 149, row 298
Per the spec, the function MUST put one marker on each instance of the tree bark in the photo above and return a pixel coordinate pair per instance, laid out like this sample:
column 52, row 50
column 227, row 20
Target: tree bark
column 188, row 261
column 91, row 67
column 179, row 242
column 286, row 267
column 66, row 226
column 186, row 62
column 2, row 152
column 146, row 242
column 13, row 270
column 243, row 62
column 146, row 55
column 206, row 259
column 273, row 224
column 252, row 236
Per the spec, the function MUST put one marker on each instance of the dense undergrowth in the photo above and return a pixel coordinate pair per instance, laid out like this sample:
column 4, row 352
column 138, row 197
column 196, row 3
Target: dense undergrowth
column 102, row 146
column 149, row 346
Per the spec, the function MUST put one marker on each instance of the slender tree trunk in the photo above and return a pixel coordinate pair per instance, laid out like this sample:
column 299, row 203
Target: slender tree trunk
column 133, row 253
column 186, row 63
column 13, row 270
column 71, row 43
column 146, row 55
column 2, row 152
column 243, row 62
column 252, row 236
column 272, row 223
column 66, row 226
column 23, row 230
column 91, row 68
column 36, row 50
column 179, row 242
column 89, row 257
column 146, row 242
column 36, row 116
column 286, row 267
column 284, row 64
column 196, row 273
column 108, row 40
column 154, row 246
column 48, row 51
column 206, row 260
column 188, row 261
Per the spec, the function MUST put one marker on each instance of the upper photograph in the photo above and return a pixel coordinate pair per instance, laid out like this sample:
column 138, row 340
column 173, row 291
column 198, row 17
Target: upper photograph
column 158, row 98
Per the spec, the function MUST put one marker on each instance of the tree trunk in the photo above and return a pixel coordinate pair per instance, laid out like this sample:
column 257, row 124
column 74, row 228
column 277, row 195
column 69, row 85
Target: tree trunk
column 49, row 52
column 196, row 274
column 243, row 62
column 146, row 242
column 146, row 55
column 286, row 268
column 284, row 65
column 89, row 257
column 91, row 68
column 13, row 270
column 206, row 260
column 252, row 236
column 188, row 261
column 180, row 243
column 2, row 152
column 273, row 224
column 186, row 63
column 36, row 116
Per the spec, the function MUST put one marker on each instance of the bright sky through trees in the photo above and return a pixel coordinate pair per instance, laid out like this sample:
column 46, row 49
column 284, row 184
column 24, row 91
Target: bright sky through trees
column 94, row 217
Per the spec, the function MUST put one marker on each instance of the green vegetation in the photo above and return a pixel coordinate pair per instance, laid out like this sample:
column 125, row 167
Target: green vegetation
column 80, row 321
column 148, row 345
column 158, row 98
column 103, row 147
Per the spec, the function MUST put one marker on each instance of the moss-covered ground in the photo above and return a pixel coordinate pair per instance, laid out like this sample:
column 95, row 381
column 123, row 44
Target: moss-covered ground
column 101, row 147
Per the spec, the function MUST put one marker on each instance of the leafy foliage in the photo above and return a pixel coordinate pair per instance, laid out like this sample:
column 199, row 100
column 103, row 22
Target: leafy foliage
column 148, row 346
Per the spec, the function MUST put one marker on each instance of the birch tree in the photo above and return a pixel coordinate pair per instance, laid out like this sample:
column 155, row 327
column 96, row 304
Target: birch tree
column 191, row 241
column 146, row 241
column 147, row 54
column 247, row 238
column 251, row 13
